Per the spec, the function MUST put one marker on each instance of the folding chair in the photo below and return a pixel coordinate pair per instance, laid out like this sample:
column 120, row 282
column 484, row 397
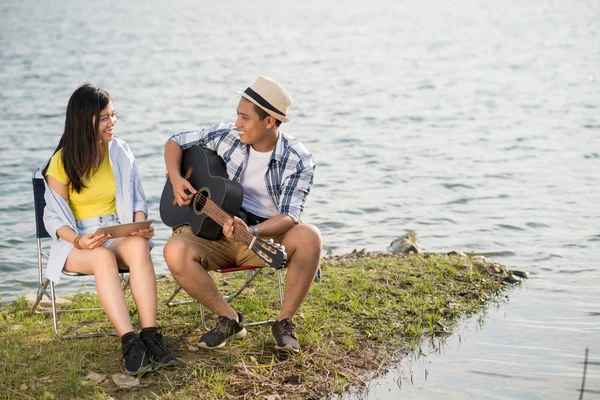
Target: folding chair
column 42, row 256
column 252, row 272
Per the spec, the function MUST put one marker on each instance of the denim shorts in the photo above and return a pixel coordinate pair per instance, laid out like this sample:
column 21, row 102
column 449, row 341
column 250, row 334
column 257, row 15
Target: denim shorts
column 90, row 225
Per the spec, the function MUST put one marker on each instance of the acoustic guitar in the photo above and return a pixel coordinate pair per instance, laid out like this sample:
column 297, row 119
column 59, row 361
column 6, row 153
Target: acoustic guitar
column 217, row 199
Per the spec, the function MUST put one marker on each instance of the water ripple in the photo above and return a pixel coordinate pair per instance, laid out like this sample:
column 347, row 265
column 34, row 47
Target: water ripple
column 576, row 271
column 537, row 225
column 511, row 227
column 594, row 314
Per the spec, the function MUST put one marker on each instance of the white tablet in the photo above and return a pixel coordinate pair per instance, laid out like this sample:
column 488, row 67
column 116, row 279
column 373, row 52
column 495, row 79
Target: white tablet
column 123, row 230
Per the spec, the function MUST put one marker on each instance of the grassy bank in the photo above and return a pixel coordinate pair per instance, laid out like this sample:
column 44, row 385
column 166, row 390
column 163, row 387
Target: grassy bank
column 366, row 311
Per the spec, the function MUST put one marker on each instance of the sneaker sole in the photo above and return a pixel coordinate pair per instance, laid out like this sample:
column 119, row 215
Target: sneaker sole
column 171, row 363
column 140, row 371
column 287, row 347
column 240, row 335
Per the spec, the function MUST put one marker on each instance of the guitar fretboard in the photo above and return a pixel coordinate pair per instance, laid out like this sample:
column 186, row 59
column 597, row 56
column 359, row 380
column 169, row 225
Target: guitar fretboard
column 217, row 214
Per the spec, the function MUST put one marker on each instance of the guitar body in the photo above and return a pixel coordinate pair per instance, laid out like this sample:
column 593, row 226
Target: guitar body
column 209, row 177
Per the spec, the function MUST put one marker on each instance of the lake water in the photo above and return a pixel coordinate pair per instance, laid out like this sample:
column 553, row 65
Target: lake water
column 475, row 123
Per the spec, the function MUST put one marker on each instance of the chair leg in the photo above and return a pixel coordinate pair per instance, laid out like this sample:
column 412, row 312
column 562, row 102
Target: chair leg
column 202, row 317
column 124, row 282
column 76, row 336
column 40, row 293
column 250, row 278
column 280, row 286
column 172, row 303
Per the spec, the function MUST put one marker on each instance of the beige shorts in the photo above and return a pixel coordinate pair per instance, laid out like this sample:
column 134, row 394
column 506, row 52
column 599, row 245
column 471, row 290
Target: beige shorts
column 222, row 253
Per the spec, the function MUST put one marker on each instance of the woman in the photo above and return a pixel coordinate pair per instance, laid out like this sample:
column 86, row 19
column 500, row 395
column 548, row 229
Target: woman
column 92, row 181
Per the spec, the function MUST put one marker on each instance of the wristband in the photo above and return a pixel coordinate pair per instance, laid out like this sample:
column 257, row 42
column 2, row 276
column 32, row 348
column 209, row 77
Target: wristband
column 254, row 230
column 76, row 243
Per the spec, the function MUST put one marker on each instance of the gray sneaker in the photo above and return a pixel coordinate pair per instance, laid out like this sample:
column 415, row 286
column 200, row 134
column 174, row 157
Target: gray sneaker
column 226, row 328
column 284, row 335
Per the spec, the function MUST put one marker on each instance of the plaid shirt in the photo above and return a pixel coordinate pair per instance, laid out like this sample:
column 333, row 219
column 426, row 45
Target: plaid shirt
column 290, row 172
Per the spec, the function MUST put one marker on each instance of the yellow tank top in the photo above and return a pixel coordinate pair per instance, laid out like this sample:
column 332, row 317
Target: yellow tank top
column 97, row 198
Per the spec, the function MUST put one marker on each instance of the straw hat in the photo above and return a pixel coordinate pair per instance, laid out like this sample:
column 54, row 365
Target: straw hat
column 268, row 95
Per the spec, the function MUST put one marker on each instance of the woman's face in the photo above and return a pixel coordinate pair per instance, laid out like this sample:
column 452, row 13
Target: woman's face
column 108, row 120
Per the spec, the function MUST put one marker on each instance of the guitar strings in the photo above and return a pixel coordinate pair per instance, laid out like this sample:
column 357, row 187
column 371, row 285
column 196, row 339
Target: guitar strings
column 218, row 212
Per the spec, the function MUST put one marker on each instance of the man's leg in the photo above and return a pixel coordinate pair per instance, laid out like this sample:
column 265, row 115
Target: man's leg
column 186, row 267
column 190, row 271
column 303, row 247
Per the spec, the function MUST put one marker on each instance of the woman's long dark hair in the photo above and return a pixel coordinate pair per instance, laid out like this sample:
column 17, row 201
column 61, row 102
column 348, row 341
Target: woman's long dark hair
column 80, row 143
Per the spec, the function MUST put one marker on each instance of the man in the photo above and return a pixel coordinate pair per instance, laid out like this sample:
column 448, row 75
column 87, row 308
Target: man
column 276, row 173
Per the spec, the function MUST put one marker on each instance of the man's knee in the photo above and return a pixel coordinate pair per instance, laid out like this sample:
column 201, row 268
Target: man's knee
column 304, row 237
column 309, row 236
column 177, row 255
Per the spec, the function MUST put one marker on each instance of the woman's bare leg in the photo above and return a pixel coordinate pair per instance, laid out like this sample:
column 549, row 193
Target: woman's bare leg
column 134, row 252
column 102, row 263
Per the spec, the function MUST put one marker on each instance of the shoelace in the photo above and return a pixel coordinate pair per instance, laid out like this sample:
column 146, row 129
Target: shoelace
column 221, row 322
column 135, row 348
column 157, row 340
column 288, row 326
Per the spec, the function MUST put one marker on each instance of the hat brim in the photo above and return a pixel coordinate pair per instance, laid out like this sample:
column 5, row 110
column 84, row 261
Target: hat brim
column 271, row 113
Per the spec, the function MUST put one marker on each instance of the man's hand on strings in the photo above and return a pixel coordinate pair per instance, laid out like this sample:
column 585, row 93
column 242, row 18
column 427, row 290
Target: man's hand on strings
column 183, row 191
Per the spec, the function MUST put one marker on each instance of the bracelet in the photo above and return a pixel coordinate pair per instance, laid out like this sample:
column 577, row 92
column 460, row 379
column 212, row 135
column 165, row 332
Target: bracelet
column 76, row 243
column 254, row 230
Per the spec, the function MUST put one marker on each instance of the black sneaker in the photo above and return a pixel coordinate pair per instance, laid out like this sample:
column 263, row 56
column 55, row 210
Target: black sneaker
column 158, row 352
column 284, row 335
column 135, row 359
column 226, row 328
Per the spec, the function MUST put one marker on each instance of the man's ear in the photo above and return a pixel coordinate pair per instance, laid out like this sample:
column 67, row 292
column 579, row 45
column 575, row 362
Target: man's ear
column 270, row 121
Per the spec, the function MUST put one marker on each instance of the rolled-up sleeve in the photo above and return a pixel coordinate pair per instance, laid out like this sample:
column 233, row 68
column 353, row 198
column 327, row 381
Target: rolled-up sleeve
column 186, row 139
column 295, row 189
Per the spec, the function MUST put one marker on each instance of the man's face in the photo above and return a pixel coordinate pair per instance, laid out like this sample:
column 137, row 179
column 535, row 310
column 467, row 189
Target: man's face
column 252, row 129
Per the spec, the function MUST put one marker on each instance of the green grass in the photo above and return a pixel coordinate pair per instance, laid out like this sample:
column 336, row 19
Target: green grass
column 365, row 312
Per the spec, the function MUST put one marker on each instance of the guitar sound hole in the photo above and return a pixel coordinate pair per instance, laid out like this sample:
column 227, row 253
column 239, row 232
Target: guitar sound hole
column 200, row 200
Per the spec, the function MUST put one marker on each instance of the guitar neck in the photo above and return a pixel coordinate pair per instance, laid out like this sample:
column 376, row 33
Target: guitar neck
column 217, row 214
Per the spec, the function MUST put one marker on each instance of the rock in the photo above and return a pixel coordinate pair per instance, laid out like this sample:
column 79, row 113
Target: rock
column 94, row 378
column 407, row 243
column 521, row 274
column 192, row 348
column 457, row 253
column 512, row 279
column 125, row 381
column 361, row 252
column 499, row 269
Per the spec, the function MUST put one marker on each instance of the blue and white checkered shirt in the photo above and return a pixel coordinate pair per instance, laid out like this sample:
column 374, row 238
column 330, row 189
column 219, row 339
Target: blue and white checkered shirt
column 290, row 173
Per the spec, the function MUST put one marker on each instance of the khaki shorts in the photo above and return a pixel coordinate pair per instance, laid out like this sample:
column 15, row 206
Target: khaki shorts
column 222, row 253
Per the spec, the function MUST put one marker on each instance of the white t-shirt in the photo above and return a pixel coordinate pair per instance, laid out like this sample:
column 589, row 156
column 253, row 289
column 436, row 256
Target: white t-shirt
column 253, row 180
